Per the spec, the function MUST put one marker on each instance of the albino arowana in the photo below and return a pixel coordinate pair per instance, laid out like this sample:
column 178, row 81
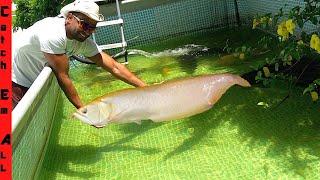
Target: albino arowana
column 161, row 102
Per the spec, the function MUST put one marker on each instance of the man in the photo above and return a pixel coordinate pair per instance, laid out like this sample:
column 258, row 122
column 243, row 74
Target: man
column 52, row 40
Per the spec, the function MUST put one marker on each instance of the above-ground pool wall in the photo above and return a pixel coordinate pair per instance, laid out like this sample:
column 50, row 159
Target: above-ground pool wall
column 31, row 122
column 144, row 23
column 262, row 7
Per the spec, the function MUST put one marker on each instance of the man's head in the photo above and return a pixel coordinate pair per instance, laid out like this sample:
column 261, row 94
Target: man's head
column 81, row 19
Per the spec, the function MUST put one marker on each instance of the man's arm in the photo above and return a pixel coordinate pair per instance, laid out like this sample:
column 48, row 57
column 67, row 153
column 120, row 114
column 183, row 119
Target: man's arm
column 60, row 66
column 118, row 70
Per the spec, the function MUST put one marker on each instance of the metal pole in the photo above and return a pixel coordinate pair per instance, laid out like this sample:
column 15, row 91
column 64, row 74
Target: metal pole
column 122, row 33
column 237, row 13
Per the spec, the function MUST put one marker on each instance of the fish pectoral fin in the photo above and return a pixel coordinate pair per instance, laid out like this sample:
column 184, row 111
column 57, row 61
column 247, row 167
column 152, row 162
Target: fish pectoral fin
column 107, row 111
column 114, row 115
column 112, row 110
column 104, row 112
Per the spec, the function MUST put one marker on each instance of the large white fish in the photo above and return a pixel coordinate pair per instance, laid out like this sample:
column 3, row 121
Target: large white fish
column 162, row 102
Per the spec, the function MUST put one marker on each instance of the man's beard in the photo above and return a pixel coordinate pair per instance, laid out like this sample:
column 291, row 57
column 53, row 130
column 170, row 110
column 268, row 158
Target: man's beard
column 81, row 36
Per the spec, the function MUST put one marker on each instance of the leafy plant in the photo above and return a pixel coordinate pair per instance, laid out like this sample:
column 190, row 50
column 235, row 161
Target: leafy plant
column 28, row 12
column 292, row 43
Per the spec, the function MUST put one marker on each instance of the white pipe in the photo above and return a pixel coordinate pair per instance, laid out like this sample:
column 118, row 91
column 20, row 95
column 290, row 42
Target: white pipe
column 128, row 1
column 121, row 27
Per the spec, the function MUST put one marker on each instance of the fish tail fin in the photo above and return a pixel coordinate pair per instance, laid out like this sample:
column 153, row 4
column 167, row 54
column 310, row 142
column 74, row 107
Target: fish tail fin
column 228, row 80
column 241, row 82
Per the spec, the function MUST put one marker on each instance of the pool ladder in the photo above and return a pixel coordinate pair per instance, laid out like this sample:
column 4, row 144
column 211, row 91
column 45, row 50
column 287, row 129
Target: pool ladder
column 122, row 44
column 118, row 21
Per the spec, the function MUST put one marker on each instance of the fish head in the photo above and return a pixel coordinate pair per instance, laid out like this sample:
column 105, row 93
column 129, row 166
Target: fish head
column 96, row 114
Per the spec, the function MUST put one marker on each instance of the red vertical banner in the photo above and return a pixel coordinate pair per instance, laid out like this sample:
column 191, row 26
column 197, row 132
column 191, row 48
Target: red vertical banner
column 5, row 89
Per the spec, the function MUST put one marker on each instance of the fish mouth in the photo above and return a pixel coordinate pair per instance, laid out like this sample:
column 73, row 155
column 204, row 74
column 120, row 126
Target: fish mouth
column 98, row 127
column 84, row 119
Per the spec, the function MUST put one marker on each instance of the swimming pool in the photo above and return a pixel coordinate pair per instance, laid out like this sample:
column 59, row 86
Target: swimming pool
column 236, row 139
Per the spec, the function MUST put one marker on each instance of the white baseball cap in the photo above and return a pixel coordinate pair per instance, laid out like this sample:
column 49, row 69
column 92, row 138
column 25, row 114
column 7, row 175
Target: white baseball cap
column 86, row 7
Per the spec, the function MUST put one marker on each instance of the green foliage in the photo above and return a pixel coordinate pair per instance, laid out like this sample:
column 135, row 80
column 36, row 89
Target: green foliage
column 30, row 11
column 291, row 43
column 260, row 78
column 313, row 86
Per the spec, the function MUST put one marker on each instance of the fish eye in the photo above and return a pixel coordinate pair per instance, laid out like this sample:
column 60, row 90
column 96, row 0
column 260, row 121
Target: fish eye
column 84, row 110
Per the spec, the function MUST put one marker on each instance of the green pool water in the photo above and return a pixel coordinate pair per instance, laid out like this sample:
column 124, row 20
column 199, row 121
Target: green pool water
column 236, row 139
